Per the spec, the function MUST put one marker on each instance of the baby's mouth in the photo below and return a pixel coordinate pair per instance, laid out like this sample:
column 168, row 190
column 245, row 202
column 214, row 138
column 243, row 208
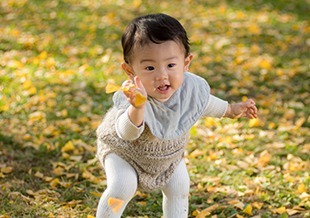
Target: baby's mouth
column 163, row 88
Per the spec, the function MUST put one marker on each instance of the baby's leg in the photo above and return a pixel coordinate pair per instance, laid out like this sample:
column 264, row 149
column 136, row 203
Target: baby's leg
column 121, row 185
column 175, row 194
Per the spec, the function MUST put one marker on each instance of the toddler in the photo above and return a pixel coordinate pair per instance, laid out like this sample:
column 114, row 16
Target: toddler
column 142, row 145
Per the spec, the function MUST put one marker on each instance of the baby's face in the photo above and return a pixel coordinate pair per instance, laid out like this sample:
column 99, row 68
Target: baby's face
column 160, row 67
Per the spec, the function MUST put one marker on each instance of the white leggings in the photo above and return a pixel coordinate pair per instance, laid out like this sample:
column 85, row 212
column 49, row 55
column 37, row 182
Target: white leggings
column 122, row 184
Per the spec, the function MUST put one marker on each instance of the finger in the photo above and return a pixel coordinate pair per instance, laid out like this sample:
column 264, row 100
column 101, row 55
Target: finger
column 250, row 113
column 140, row 86
column 138, row 83
column 251, row 101
column 128, row 94
column 253, row 109
column 253, row 114
column 130, row 97
column 126, row 83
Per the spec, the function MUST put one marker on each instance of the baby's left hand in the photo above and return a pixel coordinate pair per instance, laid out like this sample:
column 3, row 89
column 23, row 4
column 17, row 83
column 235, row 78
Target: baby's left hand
column 242, row 109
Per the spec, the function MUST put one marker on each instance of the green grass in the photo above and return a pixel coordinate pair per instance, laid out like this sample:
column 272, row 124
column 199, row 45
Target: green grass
column 57, row 56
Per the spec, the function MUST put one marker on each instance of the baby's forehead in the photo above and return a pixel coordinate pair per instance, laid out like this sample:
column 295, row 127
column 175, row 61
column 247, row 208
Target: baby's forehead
column 148, row 44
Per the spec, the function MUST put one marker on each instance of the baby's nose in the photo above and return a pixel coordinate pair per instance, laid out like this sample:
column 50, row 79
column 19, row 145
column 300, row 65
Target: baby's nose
column 162, row 75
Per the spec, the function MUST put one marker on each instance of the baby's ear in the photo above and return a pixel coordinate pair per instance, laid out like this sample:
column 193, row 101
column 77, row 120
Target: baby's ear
column 128, row 69
column 187, row 62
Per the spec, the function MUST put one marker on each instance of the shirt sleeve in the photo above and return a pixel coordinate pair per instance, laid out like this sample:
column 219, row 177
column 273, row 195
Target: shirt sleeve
column 125, row 129
column 216, row 107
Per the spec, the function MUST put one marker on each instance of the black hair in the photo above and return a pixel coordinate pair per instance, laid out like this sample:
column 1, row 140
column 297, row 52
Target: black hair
column 156, row 28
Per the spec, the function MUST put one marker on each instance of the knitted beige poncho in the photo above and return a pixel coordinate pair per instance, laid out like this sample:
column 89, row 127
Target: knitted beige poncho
column 153, row 159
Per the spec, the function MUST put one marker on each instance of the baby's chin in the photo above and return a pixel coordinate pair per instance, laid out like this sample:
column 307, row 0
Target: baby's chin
column 162, row 100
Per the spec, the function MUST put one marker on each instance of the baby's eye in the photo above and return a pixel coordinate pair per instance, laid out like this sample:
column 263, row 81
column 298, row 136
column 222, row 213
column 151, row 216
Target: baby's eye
column 149, row 68
column 171, row 65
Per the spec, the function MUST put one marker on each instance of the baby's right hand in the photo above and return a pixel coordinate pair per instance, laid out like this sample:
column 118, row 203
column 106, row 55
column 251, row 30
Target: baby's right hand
column 136, row 94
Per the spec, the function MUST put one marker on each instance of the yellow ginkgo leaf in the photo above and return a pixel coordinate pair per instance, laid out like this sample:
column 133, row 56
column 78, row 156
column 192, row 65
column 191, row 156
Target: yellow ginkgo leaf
column 280, row 210
column 207, row 211
column 248, row 209
column 115, row 204
column 110, row 88
column 264, row 158
column 96, row 194
column 128, row 86
column 258, row 205
column 54, row 182
column 67, row 147
column 36, row 116
column 6, row 169
column 301, row 188
column 140, row 99
column 255, row 123
column 265, row 64
column 254, row 29
column 39, row 175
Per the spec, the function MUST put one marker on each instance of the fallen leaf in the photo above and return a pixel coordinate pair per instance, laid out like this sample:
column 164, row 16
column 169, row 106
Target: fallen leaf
column 115, row 204
column 299, row 208
column 39, row 175
column 197, row 152
column 6, row 169
column 264, row 158
column 237, row 204
column 257, row 205
column 27, row 137
column 90, row 177
column 301, row 188
column 207, row 211
column 58, row 171
column 142, row 203
column 76, row 158
column 300, row 121
column 96, row 194
column 280, row 210
column 195, row 213
column 30, row 192
column 254, row 29
column 255, row 123
column 304, row 195
column 54, row 182
column 291, row 212
column 36, row 116
column 67, row 147
column 248, row 209
column 265, row 64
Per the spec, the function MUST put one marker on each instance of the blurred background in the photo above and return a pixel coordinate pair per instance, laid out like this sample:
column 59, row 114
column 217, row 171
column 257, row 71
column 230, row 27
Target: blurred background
column 57, row 56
